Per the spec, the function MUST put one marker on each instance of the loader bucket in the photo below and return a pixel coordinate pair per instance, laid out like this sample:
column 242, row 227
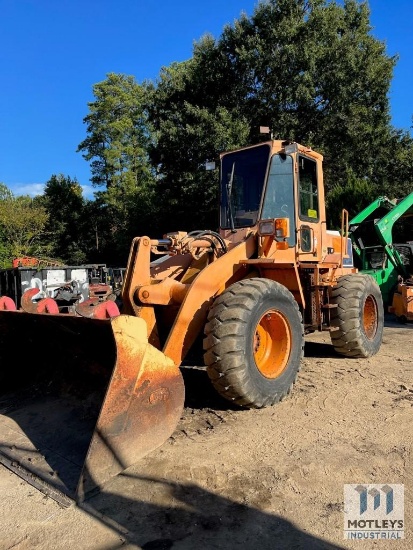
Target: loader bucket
column 81, row 399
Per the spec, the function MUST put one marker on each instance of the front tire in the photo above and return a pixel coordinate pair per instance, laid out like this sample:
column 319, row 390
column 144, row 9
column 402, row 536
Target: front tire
column 254, row 342
column 358, row 319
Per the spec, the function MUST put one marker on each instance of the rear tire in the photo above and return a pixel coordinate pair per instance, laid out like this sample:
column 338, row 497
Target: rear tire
column 254, row 342
column 358, row 319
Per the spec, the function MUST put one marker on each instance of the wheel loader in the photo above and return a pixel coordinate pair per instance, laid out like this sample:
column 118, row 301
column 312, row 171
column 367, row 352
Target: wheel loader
column 89, row 393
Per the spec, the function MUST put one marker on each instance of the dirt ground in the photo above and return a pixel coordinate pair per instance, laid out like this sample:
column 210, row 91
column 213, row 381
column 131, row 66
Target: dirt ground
column 251, row 479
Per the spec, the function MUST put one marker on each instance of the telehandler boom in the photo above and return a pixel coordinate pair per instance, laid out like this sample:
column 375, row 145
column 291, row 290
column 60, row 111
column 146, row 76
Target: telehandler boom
column 382, row 237
column 252, row 290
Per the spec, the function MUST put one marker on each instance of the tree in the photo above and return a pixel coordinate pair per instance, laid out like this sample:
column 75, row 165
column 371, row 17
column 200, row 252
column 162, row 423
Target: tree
column 393, row 171
column 117, row 134
column 64, row 203
column 5, row 253
column 117, row 146
column 354, row 197
column 22, row 227
column 309, row 69
column 188, row 132
column 5, row 193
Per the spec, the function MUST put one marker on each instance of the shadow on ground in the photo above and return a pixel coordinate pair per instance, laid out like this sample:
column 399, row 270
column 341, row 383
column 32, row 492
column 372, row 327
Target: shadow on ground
column 320, row 349
column 200, row 393
column 393, row 322
column 194, row 518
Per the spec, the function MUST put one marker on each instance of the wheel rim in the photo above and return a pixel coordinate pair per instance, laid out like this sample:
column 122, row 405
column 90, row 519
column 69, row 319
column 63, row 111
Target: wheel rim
column 272, row 344
column 370, row 315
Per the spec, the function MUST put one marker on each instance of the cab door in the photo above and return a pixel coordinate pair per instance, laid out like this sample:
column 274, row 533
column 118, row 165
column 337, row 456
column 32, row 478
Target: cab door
column 309, row 215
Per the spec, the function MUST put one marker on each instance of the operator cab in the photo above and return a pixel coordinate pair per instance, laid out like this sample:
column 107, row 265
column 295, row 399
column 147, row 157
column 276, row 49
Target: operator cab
column 257, row 184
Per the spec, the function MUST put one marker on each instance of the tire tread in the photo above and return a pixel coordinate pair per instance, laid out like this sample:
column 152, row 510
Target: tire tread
column 224, row 342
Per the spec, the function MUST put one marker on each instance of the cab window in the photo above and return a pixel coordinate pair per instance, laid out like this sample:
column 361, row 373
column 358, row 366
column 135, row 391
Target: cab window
column 279, row 197
column 308, row 189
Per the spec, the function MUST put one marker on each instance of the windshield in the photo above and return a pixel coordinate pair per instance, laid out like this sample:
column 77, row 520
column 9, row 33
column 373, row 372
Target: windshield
column 242, row 182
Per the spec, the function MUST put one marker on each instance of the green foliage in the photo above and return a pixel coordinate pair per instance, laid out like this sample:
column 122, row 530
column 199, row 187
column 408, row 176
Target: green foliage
column 118, row 139
column 63, row 201
column 5, row 193
column 22, row 226
column 117, row 145
column 393, row 171
column 310, row 69
column 189, row 133
column 119, row 214
column 354, row 197
column 189, row 130
column 392, row 176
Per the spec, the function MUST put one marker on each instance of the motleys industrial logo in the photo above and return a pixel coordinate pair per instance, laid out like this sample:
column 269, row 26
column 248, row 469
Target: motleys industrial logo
column 374, row 511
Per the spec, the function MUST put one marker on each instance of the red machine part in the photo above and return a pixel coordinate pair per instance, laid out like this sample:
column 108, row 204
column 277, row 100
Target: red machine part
column 45, row 305
column 90, row 308
column 7, row 304
column 98, row 310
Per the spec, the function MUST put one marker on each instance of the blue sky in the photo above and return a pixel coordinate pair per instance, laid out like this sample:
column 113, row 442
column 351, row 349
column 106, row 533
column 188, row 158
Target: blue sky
column 53, row 51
